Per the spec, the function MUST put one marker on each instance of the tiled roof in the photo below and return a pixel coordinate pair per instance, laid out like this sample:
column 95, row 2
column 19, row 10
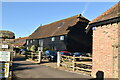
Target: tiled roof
column 20, row 41
column 111, row 13
column 56, row 28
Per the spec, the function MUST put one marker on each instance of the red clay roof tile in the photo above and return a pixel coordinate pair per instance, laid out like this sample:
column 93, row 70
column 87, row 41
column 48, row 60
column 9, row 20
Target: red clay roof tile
column 55, row 29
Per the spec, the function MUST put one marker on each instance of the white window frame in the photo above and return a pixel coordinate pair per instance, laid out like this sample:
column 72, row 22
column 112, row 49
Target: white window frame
column 53, row 39
column 31, row 41
column 62, row 37
column 27, row 42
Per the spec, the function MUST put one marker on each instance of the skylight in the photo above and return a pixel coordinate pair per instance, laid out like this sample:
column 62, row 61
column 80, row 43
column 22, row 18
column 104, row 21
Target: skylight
column 60, row 24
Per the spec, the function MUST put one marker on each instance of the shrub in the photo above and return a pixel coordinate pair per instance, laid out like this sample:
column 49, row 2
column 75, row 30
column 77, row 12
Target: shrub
column 33, row 48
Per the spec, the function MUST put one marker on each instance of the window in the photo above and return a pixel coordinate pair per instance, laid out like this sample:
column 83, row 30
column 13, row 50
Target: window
column 41, row 42
column 31, row 41
column 62, row 37
column 53, row 39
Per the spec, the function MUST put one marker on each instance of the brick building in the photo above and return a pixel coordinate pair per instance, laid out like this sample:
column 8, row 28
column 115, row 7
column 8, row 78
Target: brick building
column 106, row 43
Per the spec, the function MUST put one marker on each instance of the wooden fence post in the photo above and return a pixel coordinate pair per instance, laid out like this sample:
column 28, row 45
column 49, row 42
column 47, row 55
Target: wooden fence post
column 73, row 62
column 58, row 59
column 32, row 55
column 40, row 57
column 14, row 53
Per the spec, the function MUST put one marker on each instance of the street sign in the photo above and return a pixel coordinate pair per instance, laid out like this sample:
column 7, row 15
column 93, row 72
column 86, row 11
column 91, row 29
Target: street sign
column 5, row 46
column 4, row 56
column 4, row 70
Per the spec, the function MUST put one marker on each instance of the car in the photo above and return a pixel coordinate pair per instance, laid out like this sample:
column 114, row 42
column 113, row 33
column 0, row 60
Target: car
column 81, row 54
column 66, row 53
column 77, row 54
column 51, row 55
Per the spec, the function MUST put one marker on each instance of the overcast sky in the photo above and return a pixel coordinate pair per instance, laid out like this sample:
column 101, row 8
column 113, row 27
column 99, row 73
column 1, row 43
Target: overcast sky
column 23, row 18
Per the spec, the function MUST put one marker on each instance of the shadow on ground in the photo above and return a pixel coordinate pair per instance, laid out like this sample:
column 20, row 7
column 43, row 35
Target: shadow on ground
column 21, row 66
column 20, row 58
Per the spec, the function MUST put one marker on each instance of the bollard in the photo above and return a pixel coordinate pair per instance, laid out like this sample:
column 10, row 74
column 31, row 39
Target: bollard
column 58, row 59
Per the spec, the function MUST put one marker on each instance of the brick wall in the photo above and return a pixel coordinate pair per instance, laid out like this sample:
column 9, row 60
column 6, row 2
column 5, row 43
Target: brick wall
column 119, row 52
column 104, row 37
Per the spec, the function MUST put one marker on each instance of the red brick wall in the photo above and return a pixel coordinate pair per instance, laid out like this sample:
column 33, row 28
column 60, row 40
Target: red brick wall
column 119, row 52
column 103, row 39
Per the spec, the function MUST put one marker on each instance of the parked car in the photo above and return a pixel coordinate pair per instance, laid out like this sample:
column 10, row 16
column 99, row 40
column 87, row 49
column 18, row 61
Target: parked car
column 81, row 54
column 66, row 53
column 77, row 54
column 51, row 55
column 23, row 51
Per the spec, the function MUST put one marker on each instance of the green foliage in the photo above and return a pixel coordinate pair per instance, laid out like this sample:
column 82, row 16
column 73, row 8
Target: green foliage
column 28, row 49
column 44, row 49
column 33, row 48
column 22, row 47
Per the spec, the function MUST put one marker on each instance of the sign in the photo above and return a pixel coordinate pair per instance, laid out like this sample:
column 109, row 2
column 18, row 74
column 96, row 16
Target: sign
column 4, row 56
column 5, row 46
column 4, row 70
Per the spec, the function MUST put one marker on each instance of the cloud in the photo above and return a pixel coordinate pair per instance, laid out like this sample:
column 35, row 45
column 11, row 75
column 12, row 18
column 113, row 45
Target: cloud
column 85, row 8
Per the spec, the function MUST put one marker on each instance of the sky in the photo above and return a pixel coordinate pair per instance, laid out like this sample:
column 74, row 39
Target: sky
column 23, row 18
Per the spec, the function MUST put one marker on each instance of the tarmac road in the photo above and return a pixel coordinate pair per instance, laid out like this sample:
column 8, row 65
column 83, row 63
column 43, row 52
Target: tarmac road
column 25, row 69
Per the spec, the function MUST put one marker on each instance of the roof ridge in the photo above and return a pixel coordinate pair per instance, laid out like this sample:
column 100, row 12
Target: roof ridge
column 53, row 29
column 21, row 38
column 61, row 20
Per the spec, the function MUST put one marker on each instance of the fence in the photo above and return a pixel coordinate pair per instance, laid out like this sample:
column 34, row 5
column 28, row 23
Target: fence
column 76, row 63
column 34, row 56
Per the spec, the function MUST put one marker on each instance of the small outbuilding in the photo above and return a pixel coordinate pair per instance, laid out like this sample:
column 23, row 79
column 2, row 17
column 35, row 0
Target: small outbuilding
column 106, row 44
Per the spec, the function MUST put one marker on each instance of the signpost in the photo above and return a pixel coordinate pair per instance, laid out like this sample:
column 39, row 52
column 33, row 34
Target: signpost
column 4, row 56
column 5, row 46
column 4, row 65
column 4, row 70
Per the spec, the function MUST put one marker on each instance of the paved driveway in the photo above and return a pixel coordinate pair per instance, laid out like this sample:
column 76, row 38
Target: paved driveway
column 26, row 69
